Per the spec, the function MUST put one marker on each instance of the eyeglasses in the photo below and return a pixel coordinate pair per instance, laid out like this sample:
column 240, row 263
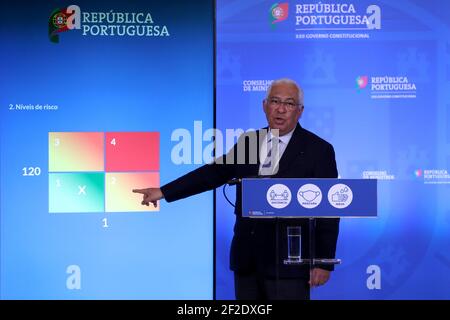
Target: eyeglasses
column 276, row 102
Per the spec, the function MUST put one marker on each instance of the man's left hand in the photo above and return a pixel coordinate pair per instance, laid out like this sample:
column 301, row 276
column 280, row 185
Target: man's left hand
column 318, row 277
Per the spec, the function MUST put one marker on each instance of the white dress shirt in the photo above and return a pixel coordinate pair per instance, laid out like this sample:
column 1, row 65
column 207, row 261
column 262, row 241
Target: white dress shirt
column 275, row 156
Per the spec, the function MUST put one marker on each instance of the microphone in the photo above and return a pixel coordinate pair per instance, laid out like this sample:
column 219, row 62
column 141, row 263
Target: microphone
column 234, row 181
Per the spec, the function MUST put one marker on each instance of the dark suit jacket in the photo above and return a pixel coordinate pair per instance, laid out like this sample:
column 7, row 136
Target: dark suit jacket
column 255, row 241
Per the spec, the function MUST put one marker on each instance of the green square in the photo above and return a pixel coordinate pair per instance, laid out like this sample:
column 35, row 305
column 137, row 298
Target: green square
column 77, row 192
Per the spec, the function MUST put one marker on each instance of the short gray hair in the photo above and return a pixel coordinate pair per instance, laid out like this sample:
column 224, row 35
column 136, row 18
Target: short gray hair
column 287, row 81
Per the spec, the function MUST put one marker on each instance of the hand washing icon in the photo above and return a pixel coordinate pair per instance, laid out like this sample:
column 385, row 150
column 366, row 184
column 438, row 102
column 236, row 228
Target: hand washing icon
column 340, row 196
column 309, row 195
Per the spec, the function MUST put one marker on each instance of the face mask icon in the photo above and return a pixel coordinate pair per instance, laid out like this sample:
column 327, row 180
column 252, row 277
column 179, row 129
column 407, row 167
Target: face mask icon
column 309, row 195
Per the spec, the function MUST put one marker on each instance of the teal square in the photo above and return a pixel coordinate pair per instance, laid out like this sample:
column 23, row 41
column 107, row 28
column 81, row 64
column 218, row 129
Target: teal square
column 77, row 192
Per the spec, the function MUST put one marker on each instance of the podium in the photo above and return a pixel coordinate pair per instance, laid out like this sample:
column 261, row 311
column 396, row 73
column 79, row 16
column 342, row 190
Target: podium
column 287, row 198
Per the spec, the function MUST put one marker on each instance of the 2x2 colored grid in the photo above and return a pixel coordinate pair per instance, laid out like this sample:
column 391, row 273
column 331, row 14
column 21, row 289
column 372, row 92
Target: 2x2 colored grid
column 96, row 171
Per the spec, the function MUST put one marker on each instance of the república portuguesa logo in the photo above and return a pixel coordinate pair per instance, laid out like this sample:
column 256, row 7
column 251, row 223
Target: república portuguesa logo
column 108, row 23
column 62, row 20
column 361, row 82
column 335, row 20
column 278, row 12
column 388, row 87
column 339, row 16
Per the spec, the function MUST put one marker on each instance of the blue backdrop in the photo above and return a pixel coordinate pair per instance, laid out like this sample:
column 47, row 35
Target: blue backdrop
column 103, row 83
column 379, row 92
column 376, row 80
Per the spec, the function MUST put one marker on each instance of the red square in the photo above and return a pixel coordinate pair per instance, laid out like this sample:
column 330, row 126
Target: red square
column 132, row 151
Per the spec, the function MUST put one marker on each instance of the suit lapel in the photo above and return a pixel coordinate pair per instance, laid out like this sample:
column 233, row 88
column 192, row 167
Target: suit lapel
column 296, row 146
column 253, row 169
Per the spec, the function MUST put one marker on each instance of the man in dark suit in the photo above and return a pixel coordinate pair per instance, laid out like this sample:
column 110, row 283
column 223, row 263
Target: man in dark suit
column 259, row 246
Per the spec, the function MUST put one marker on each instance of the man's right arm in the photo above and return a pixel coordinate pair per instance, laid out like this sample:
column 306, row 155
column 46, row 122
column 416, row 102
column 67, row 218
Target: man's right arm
column 205, row 178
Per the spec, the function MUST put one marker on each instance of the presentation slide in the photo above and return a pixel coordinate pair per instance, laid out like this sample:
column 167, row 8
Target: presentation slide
column 96, row 99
